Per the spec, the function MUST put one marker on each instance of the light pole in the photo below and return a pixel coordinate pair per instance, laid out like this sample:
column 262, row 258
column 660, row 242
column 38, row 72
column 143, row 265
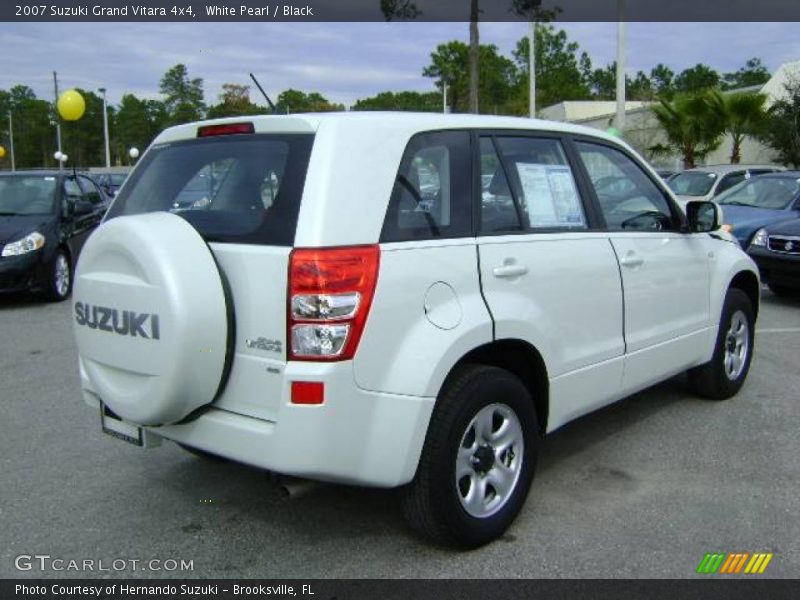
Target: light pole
column 532, row 68
column 620, row 120
column 444, row 96
column 105, row 126
column 58, row 121
column 11, row 140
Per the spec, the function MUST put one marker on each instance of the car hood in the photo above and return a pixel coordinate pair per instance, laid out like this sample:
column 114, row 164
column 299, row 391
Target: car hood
column 15, row 227
column 746, row 220
column 789, row 228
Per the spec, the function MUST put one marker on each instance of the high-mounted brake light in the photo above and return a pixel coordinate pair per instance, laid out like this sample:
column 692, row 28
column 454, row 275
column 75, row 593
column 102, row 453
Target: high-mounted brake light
column 330, row 293
column 225, row 129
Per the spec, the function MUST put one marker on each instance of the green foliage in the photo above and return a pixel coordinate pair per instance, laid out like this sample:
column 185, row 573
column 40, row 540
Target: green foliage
column 137, row 122
column 83, row 140
column 753, row 73
column 234, row 102
column 295, row 101
column 404, row 101
column 743, row 114
column 496, row 76
column 699, row 77
column 692, row 126
column 34, row 129
column 183, row 97
column 560, row 73
column 782, row 131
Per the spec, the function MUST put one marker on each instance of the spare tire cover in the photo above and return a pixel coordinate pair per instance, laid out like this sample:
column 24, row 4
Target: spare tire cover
column 151, row 318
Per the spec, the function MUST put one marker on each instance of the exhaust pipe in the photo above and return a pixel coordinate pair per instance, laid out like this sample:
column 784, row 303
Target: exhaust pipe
column 293, row 487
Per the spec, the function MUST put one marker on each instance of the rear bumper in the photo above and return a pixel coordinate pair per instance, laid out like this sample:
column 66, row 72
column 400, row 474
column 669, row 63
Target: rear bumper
column 355, row 437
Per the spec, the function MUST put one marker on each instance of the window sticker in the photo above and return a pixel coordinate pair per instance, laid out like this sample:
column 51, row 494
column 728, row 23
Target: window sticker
column 550, row 196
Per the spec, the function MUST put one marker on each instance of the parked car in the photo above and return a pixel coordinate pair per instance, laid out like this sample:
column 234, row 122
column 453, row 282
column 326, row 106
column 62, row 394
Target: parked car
column 383, row 319
column 45, row 216
column 665, row 174
column 760, row 202
column 705, row 183
column 776, row 251
column 110, row 180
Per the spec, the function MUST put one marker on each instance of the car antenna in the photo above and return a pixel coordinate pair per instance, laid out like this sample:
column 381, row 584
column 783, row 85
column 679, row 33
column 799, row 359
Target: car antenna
column 260, row 89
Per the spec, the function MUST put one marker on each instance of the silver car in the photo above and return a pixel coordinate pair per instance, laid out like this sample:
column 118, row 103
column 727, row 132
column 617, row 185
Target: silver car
column 705, row 183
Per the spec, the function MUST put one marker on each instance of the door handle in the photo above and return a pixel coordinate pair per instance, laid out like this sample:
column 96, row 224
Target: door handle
column 507, row 271
column 631, row 260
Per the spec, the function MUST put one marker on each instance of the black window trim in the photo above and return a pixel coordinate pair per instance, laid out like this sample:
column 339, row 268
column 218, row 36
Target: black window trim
column 678, row 217
column 593, row 220
column 388, row 235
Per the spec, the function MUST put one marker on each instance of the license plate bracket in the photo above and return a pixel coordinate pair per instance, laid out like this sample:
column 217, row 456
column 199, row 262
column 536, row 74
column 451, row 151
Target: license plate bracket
column 112, row 425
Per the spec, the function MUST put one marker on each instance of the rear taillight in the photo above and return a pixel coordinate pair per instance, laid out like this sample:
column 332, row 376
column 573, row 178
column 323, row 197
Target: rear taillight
column 330, row 292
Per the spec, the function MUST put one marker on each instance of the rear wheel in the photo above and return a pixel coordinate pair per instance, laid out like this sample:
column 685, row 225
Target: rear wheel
column 478, row 461
column 724, row 375
column 59, row 282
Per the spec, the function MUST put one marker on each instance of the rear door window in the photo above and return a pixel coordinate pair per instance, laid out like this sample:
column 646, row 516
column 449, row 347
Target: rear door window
column 238, row 188
column 432, row 192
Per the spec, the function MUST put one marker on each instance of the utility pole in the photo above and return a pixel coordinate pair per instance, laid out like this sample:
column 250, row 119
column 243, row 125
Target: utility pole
column 620, row 120
column 58, row 121
column 105, row 126
column 532, row 68
column 444, row 96
column 11, row 140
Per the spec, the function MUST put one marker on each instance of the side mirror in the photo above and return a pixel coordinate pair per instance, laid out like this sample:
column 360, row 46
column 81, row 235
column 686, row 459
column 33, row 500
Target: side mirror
column 83, row 207
column 703, row 216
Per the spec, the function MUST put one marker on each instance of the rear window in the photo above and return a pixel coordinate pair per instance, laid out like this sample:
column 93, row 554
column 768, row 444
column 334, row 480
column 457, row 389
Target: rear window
column 237, row 189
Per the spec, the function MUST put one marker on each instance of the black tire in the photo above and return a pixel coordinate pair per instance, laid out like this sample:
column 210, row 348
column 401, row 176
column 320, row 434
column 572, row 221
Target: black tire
column 782, row 290
column 431, row 503
column 712, row 380
column 55, row 290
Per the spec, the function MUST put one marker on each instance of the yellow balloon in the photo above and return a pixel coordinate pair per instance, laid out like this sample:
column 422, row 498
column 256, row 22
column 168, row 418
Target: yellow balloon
column 2, row 152
column 71, row 105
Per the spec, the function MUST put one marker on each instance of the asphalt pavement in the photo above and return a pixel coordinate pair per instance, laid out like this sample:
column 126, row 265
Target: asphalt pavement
column 643, row 488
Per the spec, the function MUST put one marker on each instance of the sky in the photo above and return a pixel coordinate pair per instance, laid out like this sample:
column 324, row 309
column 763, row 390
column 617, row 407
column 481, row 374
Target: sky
column 343, row 61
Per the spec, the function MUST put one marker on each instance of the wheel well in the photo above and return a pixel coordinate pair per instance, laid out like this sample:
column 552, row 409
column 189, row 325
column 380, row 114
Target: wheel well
column 524, row 361
column 748, row 283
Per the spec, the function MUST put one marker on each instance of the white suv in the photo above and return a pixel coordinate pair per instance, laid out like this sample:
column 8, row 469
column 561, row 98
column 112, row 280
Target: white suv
column 399, row 300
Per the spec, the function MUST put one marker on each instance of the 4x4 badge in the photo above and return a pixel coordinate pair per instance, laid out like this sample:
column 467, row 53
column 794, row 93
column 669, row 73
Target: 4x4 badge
column 261, row 343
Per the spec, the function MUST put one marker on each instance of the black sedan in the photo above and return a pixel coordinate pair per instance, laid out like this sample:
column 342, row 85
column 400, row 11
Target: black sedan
column 776, row 250
column 45, row 216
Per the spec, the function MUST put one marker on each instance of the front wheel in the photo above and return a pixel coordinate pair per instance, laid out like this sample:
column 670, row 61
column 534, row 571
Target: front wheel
column 478, row 460
column 724, row 375
column 59, row 283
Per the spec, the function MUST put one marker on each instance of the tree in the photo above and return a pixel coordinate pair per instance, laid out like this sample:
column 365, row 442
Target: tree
column 137, row 124
column 662, row 79
column 691, row 125
column 83, row 140
column 233, row 102
column 753, row 73
column 782, row 131
column 603, row 82
column 496, row 75
column 743, row 115
column 559, row 71
column 183, row 97
column 699, row 77
column 294, row 101
column 640, row 88
column 406, row 101
column 34, row 127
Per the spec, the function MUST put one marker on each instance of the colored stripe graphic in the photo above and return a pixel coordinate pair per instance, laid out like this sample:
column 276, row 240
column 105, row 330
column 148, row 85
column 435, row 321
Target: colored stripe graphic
column 734, row 563
column 758, row 564
column 710, row 563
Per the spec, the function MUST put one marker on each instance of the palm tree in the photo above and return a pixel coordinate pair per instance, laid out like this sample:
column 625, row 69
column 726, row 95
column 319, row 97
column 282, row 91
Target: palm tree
column 743, row 114
column 692, row 125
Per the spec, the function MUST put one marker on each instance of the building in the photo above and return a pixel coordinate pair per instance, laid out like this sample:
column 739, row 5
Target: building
column 642, row 130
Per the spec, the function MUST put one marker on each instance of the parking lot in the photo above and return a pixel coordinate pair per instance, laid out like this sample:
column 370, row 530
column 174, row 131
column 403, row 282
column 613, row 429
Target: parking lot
column 643, row 488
